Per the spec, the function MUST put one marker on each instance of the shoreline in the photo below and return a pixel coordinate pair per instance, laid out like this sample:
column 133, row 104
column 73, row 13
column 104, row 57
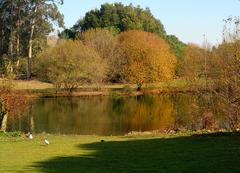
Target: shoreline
column 35, row 88
column 88, row 92
column 44, row 93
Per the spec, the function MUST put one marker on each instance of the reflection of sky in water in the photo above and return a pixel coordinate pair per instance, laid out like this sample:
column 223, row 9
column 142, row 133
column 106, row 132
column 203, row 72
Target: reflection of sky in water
column 120, row 115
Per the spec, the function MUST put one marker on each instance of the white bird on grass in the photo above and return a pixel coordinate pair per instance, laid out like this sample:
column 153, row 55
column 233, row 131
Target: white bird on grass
column 46, row 142
column 30, row 136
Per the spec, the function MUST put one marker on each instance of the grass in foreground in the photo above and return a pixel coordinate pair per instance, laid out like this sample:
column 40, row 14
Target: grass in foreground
column 180, row 154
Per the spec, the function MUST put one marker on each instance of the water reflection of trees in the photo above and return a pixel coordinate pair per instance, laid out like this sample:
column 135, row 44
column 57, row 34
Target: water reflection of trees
column 146, row 113
column 194, row 112
column 202, row 111
column 172, row 112
column 120, row 115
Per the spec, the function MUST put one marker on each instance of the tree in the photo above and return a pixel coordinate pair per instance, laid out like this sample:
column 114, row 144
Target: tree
column 145, row 58
column 67, row 34
column 11, row 103
column 224, row 72
column 41, row 13
column 71, row 64
column 121, row 17
column 105, row 44
column 11, row 16
column 226, row 80
column 177, row 46
column 191, row 63
column 25, row 26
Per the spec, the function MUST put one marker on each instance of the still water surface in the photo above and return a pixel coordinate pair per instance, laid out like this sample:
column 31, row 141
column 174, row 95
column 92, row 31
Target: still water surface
column 120, row 115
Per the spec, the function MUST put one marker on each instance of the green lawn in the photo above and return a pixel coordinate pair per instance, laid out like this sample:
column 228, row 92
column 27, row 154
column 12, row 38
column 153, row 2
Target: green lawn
column 215, row 153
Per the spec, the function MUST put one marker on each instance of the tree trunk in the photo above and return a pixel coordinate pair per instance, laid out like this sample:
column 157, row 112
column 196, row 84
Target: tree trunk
column 18, row 39
column 10, row 45
column 18, row 44
column 11, row 52
column 1, row 41
column 11, row 40
column 4, row 123
column 4, row 113
column 5, row 117
column 18, row 35
column 31, row 119
column 30, row 44
column 10, row 48
column 29, row 58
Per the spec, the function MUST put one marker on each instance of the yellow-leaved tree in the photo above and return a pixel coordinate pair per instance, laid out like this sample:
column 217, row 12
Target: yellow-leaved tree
column 105, row 44
column 192, row 63
column 144, row 58
column 71, row 64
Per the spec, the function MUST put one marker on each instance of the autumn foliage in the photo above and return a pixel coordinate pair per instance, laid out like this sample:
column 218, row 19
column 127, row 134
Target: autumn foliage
column 192, row 62
column 15, row 103
column 226, row 77
column 11, row 104
column 145, row 58
column 70, row 64
column 105, row 43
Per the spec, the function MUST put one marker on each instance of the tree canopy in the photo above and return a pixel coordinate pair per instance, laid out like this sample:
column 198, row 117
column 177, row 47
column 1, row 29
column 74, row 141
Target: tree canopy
column 24, row 27
column 191, row 65
column 145, row 59
column 105, row 43
column 177, row 46
column 70, row 64
column 122, row 18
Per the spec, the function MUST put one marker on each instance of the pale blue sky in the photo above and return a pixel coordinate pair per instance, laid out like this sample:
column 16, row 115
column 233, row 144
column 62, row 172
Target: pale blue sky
column 187, row 19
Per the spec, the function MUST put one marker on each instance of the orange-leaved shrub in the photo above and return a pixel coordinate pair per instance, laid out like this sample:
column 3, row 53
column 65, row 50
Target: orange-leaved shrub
column 144, row 58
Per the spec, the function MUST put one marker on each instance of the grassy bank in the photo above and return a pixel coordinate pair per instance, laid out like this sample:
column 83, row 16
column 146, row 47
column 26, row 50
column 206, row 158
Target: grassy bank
column 168, row 154
column 47, row 89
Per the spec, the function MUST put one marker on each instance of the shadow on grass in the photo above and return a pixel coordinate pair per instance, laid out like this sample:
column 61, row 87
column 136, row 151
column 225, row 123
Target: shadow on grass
column 216, row 153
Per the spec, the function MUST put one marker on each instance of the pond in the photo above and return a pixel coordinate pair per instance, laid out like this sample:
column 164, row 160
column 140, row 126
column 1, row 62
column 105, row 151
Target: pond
column 121, row 115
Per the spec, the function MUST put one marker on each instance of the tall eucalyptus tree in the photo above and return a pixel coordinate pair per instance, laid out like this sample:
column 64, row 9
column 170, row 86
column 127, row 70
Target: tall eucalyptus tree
column 41, row 14
column 25, row 25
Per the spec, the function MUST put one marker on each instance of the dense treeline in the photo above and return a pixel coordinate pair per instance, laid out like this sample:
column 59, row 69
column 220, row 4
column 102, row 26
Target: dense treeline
column 24, row 27
column 122, row 18
column 99, row 56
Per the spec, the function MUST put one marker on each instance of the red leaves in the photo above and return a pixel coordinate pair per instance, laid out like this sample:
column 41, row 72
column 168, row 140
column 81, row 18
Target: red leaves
column 14, row 102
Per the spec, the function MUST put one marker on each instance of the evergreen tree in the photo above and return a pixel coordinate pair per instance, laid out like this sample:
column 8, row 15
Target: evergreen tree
column 25, row 25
